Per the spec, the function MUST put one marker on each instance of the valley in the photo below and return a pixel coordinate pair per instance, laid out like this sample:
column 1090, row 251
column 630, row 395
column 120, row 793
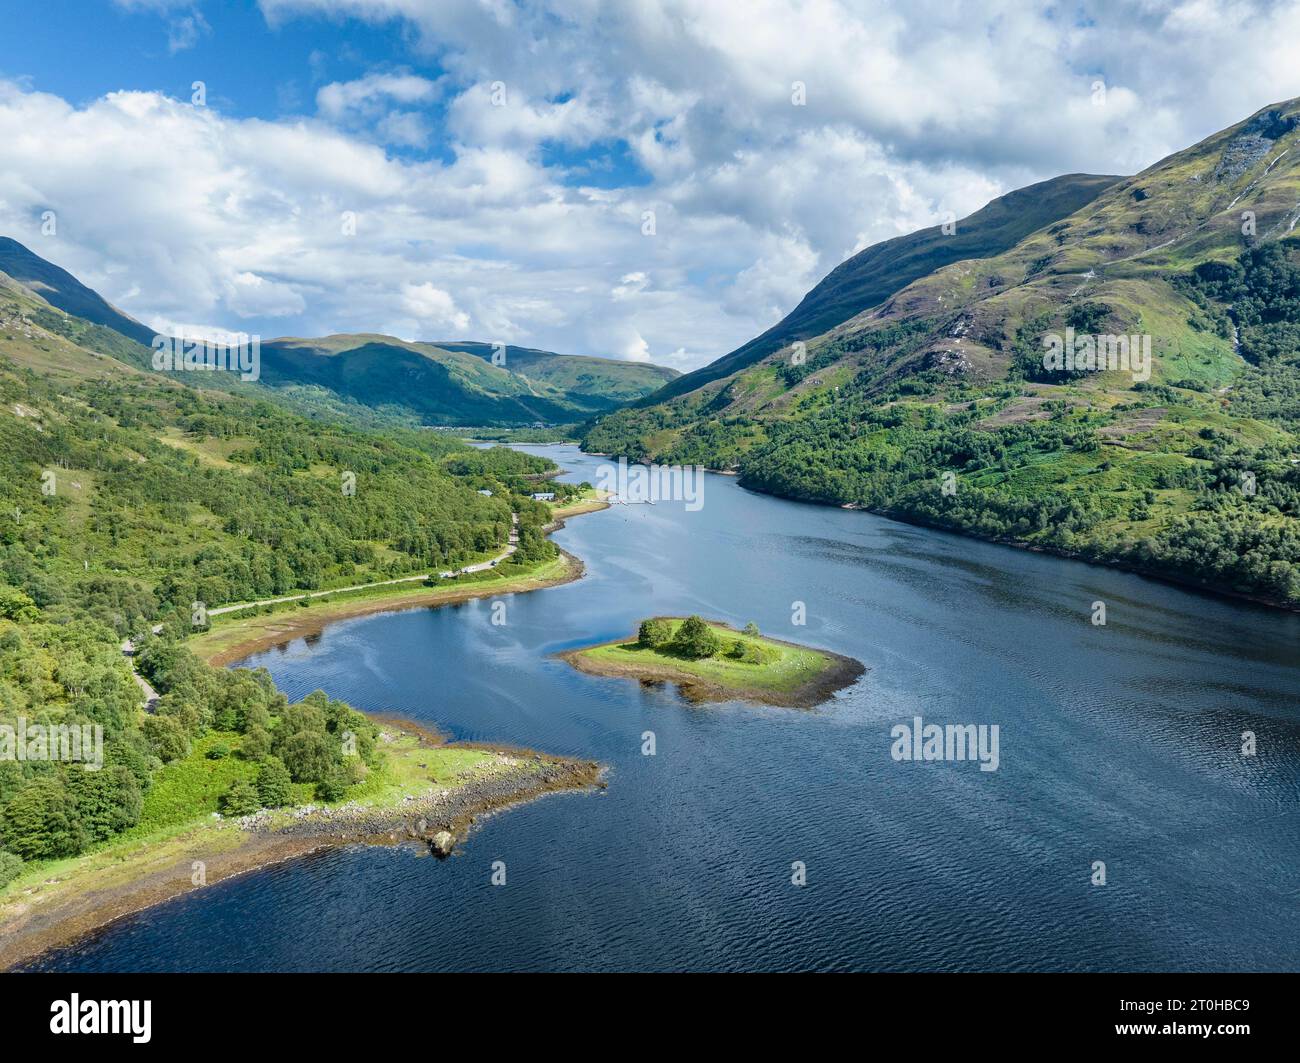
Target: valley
column 927, row 397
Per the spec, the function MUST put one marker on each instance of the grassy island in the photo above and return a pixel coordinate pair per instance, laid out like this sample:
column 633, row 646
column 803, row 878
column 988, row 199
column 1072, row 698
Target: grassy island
column 712, row 661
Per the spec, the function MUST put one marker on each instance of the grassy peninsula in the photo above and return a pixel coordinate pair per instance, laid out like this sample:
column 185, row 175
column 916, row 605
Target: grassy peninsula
column 711, row 661
column 234, row 636
column 587, row 500
column 416, row 789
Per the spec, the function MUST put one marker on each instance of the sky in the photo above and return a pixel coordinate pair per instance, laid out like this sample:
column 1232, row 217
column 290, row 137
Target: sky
column 652, row 180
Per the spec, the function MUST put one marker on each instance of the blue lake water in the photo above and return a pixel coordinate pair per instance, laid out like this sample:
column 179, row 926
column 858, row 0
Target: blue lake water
column 1119, row 744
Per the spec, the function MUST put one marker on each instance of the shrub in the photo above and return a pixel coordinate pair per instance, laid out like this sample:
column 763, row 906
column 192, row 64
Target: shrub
column 309, row 755
column 333, row 786
column 219, row 751
column 240, row 799
column 107, row 801
column 10, row 865
column 256, row 744
column 41, row 822
column 274, row 786
column 166, row 737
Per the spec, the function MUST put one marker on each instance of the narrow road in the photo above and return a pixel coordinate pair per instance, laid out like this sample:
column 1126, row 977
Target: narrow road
column 146, row 688
column 511, row 546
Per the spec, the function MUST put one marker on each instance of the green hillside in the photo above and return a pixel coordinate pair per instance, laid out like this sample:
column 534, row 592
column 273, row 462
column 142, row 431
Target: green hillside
column 440, row 387
column 365, row 377
column 128, row 496
column 876, row 272
column 458, row 383
column 935, row 405
column 600, row 384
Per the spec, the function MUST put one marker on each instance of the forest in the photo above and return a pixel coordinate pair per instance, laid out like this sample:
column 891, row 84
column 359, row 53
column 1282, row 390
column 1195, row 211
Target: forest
column 132, row 504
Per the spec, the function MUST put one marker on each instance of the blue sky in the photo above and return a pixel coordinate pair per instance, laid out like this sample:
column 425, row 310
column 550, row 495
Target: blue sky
column 82, row 49
column 500, row 159
column 256, row 69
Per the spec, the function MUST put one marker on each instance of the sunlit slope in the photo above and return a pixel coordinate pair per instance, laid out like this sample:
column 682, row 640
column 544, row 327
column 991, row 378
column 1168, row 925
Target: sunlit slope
column 876, row 272
column 599, row 384
column 1189, row 467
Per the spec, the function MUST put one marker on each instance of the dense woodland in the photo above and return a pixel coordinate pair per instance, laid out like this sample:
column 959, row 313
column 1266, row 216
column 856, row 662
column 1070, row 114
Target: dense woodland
column 128, row 500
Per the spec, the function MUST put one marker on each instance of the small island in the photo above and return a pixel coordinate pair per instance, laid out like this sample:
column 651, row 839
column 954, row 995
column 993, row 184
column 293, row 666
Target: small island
column 711, row 661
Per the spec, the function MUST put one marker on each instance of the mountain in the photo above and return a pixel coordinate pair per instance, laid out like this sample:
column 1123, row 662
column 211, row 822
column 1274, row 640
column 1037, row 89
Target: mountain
column 602, row 383
column 939, row 403
column 454, row 383
column 876, row 272
column 458, row 383
column 61, row 289
column 440, row 387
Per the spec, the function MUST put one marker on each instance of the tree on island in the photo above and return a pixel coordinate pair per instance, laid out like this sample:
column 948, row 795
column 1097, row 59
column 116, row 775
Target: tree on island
column 655, row 633
column 695, row 639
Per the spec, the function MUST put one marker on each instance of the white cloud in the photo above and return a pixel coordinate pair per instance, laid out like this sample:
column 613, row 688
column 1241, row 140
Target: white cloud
column 183, row 33
column 183, row 30
column 372, row 107
column 914, row 109
column 433, row 307
column 629, row 285
column 254, row 296
column 340, row 99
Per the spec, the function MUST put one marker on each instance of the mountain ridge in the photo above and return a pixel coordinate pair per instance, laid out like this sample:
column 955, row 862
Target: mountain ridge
column 945, row 383
column 455, row 384
column 869, row 276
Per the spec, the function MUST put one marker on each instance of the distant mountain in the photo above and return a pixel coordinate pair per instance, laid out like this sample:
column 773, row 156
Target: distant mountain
column 604, row 383
column 454, row 383
column 938, row 402
column 439, row 386
column 458, row 383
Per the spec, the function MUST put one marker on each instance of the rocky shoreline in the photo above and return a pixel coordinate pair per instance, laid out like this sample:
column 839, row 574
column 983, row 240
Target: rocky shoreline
column 440, row 818
column 440, row 812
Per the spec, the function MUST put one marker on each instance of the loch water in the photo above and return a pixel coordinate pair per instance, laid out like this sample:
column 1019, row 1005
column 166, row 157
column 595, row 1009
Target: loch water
column 1118, row 743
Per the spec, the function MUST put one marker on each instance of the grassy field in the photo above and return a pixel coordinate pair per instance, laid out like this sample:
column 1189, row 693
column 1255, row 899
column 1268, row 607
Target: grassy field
column 235, row 635
column 589, row 501
column 777, row 672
